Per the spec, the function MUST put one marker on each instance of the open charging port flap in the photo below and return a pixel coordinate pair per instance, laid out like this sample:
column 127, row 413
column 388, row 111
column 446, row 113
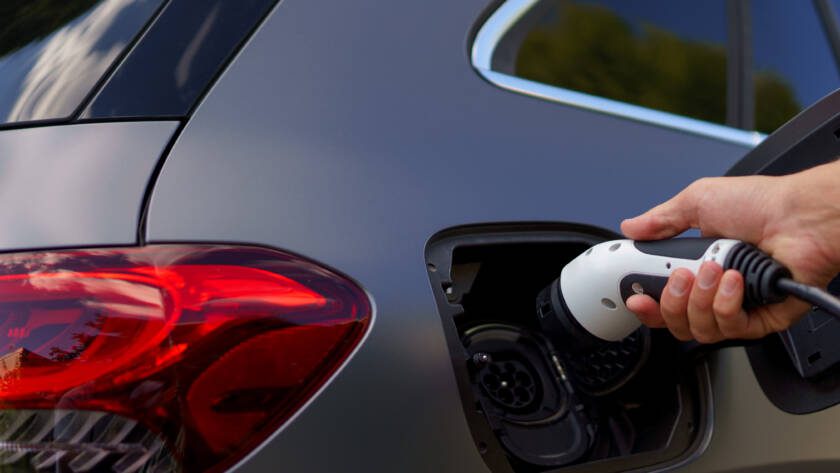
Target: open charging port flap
column 533, row 405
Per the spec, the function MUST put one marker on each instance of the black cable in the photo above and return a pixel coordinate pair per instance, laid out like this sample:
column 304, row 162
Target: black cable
column 812, row 295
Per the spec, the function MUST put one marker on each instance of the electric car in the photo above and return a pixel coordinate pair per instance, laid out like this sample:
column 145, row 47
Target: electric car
column 309, row 236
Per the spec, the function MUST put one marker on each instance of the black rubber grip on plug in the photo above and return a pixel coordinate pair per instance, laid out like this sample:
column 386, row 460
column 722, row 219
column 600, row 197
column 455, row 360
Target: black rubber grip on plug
column 648, row 284
column 760, row 272
column 685, row 248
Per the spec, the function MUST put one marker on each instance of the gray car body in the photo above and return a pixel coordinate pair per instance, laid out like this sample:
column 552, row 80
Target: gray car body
column 351, row 132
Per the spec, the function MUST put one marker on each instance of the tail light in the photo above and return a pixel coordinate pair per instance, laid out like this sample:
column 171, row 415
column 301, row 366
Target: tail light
column 165, row 357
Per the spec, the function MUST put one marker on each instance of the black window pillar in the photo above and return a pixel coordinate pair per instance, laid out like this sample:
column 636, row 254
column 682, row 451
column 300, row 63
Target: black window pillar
column 828, row 18
column 740, row 96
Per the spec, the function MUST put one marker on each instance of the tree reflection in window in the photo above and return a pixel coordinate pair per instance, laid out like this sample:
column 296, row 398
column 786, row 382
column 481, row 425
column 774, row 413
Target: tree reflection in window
column 590, row 48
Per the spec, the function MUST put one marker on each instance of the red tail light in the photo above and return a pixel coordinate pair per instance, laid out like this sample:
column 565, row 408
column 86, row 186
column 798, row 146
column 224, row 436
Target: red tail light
column 163, row 357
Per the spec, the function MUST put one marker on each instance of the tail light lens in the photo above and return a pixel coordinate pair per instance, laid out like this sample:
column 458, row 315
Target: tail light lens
column 165, row 357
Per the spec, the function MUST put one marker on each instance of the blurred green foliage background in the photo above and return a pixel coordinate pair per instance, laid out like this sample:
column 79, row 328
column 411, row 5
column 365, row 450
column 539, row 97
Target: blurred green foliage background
column 593, row 50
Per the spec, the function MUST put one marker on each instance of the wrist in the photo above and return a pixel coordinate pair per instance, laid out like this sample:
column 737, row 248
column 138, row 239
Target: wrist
column 814, row 209
column 815, row 191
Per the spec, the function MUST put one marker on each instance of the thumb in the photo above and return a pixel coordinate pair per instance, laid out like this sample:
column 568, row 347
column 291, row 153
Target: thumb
column 669, row 218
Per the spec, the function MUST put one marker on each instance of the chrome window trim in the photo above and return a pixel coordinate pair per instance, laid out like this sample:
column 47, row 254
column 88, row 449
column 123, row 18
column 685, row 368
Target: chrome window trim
column 492, row 31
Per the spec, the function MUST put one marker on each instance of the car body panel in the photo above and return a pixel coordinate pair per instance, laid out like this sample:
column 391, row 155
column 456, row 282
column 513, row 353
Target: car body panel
column 351, row 138
column 752, row 435
column 75, row 185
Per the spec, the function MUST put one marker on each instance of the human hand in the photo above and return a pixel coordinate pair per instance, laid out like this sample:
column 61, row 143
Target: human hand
column 795, row 219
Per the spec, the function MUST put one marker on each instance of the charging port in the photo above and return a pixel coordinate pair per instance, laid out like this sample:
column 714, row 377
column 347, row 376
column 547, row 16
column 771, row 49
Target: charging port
column 523, row 396
column 534, row 404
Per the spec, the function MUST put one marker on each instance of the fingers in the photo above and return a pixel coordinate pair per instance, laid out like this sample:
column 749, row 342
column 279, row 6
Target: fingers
column 688, row 305
column 708, row 307
column 702, row 319
column 669, row 218
column 731, row 319
column 673, row 303
column 646, row 309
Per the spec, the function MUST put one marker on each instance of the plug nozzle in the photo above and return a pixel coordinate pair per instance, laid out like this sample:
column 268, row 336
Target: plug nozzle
column 558, row 322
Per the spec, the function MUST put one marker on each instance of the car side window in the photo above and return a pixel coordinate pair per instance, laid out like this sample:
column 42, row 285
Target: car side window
column 793, row 65
column 664, row 55
column 744, row 64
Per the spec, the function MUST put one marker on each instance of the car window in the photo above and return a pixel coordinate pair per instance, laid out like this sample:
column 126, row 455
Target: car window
column 747, row 64
column 660, row 54
column 177, row 59
column 53, row 52
column 793, row 65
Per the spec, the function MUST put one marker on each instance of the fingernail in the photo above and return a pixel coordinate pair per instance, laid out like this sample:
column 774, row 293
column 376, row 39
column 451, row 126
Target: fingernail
column 707, row 277
column 728, row 284
column 678, row 284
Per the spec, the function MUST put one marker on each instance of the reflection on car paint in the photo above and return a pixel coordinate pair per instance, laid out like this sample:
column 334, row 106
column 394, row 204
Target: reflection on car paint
column 53, row 53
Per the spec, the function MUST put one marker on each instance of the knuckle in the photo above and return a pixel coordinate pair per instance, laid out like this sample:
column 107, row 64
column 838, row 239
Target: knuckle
column 700, row 185
column 700, row 303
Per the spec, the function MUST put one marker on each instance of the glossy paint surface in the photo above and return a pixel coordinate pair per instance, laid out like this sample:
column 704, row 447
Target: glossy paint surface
column 77, row 184
column 349, row 134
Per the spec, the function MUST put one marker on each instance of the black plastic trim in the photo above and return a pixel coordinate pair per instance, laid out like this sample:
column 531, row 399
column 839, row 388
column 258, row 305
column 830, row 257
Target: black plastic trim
column 558, row 320
column 118, row 62
column 139, row 74
column 739, row 87
column 35, row 123
column 115, row 64
column 651, row 285
column 807, row 140
column 831, row 26
column 685, row 248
